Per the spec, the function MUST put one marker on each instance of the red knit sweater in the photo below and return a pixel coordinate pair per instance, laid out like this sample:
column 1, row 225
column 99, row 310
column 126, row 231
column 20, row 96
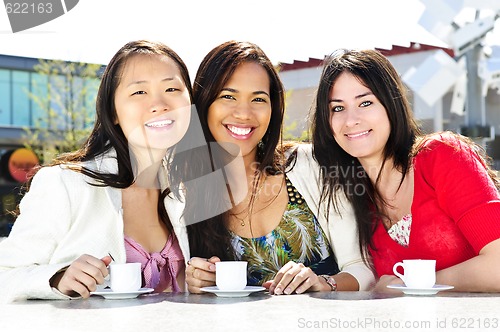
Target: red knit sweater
column 455, row 208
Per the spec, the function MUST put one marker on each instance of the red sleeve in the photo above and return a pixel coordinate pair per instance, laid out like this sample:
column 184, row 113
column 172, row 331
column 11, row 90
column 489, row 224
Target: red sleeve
column 463, row 188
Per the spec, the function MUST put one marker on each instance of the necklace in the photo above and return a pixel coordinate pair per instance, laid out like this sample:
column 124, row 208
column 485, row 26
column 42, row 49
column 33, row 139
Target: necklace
column 241, row 220
column 246, row 210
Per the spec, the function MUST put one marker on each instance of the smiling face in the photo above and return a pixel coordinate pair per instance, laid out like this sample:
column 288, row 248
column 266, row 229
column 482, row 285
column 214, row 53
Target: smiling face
column 358, row 120
column 152, row 102
column 242, row 110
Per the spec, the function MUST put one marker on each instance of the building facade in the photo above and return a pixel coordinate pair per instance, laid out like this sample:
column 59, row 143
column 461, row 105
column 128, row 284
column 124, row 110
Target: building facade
column 29, row 92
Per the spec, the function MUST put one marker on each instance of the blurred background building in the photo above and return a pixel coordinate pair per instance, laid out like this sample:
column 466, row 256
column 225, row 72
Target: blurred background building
column 46, row 107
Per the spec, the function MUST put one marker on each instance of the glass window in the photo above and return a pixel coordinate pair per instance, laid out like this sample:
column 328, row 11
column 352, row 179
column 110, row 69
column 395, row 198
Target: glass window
column 77, row 110
column 58, row 94
column 87, row 96
column 92, row 86
column 20, row 98
column 5, row 97
column 40, row 101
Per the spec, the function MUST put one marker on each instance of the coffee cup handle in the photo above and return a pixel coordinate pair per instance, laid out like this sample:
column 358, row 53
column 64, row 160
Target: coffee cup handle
column 395, row 270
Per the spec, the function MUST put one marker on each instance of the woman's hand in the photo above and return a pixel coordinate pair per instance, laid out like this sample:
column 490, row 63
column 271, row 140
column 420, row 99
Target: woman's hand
column 82, row 276
column 293, row 277
column 381, row 285
column 200, row 272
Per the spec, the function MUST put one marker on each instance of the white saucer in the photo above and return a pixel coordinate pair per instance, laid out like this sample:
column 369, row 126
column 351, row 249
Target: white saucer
column 110, row 295
column 421, row 291
column 233, row 293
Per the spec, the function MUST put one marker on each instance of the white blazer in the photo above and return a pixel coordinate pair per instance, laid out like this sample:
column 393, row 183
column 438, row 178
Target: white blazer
column 61, row 218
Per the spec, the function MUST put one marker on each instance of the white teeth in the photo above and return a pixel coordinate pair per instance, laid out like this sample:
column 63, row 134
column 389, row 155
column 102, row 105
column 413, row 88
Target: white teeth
column 239, row 131
column 159, row 124
column 357, row 135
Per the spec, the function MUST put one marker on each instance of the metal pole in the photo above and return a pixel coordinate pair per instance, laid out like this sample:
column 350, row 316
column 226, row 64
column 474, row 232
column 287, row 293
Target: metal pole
column 475, row 103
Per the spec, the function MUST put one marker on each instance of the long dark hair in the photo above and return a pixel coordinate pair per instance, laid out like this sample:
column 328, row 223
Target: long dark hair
column 341, row 172
column 211, row 237
column 106, row 134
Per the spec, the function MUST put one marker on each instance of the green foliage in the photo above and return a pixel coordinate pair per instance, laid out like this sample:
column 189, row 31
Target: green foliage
column 290, row 128
column 289, row 132
column 63, row 95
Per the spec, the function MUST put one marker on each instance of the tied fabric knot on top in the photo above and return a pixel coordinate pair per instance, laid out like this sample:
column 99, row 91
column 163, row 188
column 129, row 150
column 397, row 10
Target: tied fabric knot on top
column 151, row 271
column 159, row 270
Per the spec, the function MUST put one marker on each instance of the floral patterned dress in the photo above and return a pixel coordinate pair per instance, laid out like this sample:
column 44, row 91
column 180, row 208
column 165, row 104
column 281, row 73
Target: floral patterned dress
column 298, row 237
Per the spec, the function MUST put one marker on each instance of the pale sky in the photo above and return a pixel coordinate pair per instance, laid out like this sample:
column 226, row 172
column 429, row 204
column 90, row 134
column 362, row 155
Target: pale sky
column 286, row 30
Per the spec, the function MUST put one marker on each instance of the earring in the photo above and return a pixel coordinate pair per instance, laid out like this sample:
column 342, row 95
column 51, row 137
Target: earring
column 260, row 149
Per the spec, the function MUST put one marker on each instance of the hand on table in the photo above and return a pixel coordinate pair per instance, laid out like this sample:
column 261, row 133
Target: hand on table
column 82, row 276
column 200, row 272
column 295, row 277
column 381, row 285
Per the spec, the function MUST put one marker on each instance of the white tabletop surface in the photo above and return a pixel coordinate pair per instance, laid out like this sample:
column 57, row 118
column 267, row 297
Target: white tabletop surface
column 341, row 311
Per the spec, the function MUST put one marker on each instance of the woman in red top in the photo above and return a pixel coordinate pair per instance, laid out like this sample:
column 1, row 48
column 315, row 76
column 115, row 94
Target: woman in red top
column 415, row 196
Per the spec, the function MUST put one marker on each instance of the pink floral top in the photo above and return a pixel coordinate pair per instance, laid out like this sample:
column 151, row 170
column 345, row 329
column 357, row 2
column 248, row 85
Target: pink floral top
column 400, row 231
column 159, row 269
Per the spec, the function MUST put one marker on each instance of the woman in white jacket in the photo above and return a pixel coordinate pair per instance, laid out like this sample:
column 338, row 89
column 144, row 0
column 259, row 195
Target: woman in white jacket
column 105, row 200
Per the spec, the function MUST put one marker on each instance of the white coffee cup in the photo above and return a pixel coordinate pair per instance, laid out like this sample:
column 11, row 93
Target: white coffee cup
column 418, row 273
column 231, row 275
column 125, row 277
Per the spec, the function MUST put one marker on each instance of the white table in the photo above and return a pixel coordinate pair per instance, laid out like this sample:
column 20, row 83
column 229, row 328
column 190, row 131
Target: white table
column 259, row 312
